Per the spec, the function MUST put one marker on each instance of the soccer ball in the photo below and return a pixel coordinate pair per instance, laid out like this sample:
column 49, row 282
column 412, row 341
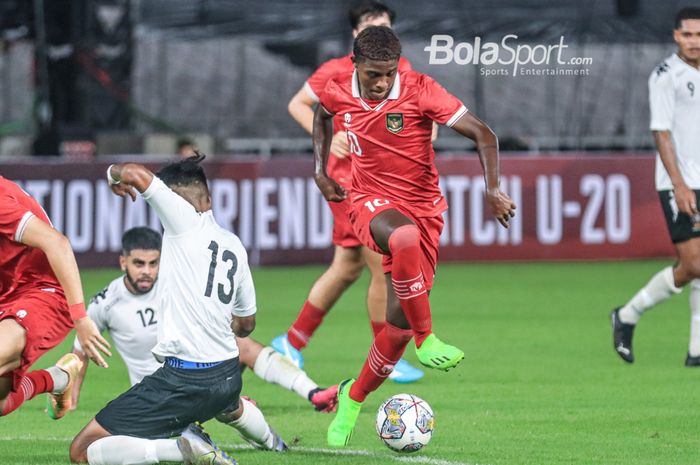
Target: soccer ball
column 405, row 423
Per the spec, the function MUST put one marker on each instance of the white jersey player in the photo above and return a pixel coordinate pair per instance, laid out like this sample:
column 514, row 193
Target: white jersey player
column 131, row 320
column 205, row 291
column 674, row 101
column 128, row 308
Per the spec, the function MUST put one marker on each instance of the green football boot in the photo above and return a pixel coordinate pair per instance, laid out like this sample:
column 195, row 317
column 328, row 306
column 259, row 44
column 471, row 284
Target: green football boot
column 340, row 430
column 434, row 353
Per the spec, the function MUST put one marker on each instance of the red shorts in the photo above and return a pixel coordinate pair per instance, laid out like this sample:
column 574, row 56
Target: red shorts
column 45, row 317
column 430, row 229
column 343, row 233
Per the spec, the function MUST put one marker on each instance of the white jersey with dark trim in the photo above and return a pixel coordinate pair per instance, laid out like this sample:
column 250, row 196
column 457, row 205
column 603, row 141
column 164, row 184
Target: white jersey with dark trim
column 204, row 281
column 132, row 321
column 674, row 102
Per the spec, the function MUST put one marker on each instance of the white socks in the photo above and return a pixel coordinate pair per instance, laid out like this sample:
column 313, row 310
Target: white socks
column 251, row 424
column 126, row 450
column 694, row 347
column 60, row 379
column 658, row 289
column 275, row 368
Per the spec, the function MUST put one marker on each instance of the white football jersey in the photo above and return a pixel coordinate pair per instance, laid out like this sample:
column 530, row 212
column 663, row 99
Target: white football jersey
column 132, row 321
column 204, row 280
column 674, row 102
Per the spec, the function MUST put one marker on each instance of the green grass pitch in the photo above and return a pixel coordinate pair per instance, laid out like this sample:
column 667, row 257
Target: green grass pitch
column 540, row 383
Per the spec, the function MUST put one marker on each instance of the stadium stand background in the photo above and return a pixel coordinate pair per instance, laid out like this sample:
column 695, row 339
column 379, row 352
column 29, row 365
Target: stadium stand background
column 132, row 76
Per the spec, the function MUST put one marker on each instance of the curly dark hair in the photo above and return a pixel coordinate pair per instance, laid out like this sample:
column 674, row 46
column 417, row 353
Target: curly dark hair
column 186, row 172
column 377, row 43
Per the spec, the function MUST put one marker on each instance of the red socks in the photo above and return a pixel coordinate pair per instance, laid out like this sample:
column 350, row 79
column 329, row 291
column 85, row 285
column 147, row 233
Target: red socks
column 377, row 327
column 31, row 385
column 308, row 320
column 407, row 280
column 385, row 352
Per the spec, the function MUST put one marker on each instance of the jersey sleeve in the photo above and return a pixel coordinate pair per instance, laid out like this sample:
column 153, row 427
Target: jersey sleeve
column 329, row 97
column 245, row 303
column 438, row 104
column 661, row 99
column 13, row 217
column 315, row 84
column 175, row 213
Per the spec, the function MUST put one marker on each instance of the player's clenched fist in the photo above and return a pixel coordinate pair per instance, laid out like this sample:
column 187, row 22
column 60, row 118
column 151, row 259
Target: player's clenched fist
column 331, row 190
column 502, row 206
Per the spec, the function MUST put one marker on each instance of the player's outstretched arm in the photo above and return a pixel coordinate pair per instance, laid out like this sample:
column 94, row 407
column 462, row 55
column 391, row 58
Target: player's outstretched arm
column 684, row 195
column 124, row 178
column 502, row 207
column 62, row 261
column 242, row 326
column 322, row 135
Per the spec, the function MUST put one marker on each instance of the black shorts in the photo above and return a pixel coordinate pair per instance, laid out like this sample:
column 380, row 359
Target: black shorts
column 164, row 403
column 680, row 226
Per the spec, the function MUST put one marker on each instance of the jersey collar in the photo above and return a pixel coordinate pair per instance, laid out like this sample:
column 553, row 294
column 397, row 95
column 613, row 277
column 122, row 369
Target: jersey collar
column 394, row 93
column 675, row 57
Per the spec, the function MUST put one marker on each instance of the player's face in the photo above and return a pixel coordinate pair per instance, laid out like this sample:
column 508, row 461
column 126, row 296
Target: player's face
column 141, row 268
column 371, row 20
column 376, row 78
column 688, row 39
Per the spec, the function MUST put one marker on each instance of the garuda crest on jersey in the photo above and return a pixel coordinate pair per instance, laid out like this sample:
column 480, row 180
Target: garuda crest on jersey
column 394, row 122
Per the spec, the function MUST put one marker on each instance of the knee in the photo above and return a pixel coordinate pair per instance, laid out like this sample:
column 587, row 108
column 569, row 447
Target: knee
column 687, row 271
column 232, row 414
column 404, row 237
column 347, row 271
column 353, row 274
column 78, row 451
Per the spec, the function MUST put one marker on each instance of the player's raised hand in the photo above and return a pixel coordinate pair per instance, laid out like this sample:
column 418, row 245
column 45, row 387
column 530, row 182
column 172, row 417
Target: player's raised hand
column 122, row 190
column 339, row 145
column 92, row 341
column 331, row 190
column 502, row 206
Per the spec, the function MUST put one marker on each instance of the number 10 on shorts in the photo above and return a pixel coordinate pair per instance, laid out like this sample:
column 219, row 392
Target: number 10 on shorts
column 372, row 205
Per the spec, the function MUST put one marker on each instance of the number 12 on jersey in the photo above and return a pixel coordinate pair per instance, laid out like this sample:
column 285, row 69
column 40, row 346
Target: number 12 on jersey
column 226, row 256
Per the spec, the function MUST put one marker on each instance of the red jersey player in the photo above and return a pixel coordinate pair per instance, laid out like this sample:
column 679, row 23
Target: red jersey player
column 41, row 299
column 396, row 204
column 349, row 255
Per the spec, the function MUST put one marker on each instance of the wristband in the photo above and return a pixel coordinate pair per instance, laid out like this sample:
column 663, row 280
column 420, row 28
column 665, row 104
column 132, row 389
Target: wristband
column 110, row 179
column 77, row 311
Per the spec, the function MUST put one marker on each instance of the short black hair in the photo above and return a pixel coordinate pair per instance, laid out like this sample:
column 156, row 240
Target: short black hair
column 371, row 8
column 377, row 43
column 185, row 172
column 183, row 142
column 687, row 13
column 141, row 238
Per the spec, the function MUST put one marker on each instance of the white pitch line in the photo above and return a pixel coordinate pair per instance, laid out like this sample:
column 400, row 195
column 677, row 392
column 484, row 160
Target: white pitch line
column 309, row 450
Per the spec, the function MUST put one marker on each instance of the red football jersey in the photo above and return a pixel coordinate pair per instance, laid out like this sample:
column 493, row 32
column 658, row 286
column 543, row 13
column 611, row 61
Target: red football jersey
column 20, row 265
column 392, row 154
column 339, row 168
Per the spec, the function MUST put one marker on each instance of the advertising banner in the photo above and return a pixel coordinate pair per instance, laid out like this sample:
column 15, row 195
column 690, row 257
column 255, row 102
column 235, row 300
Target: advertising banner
column 569, row 208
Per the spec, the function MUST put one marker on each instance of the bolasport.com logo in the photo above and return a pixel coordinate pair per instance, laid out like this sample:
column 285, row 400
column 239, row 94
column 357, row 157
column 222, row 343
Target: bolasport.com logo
column 508, row 57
